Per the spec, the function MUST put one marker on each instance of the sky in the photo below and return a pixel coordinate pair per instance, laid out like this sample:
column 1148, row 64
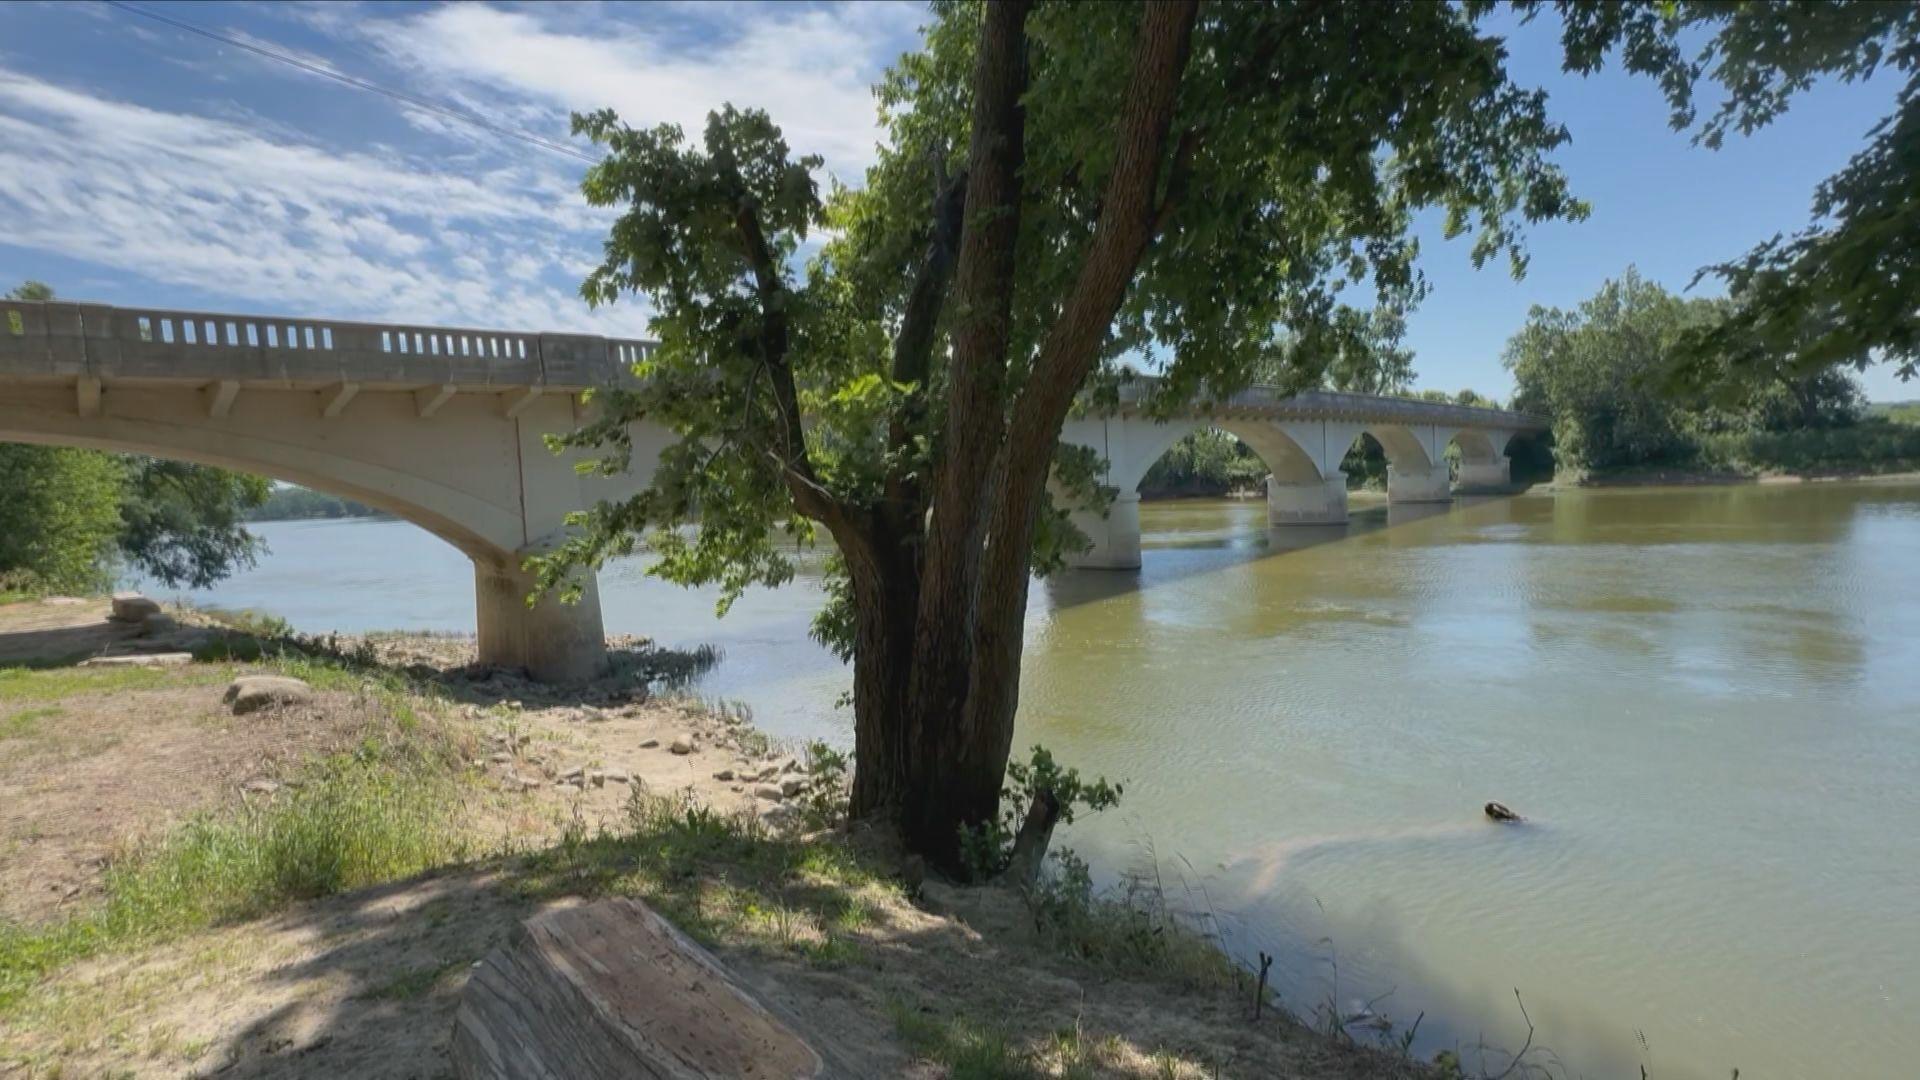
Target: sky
column 146, row 166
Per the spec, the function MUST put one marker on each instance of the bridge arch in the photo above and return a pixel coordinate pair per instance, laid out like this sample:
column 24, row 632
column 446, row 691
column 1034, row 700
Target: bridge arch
column 476, row 528
column 482, row 482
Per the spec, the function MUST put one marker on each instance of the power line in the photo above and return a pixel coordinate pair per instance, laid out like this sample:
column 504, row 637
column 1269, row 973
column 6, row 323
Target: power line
column 357, row 83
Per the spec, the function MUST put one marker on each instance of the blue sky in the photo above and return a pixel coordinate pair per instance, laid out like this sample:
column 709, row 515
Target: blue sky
column 142, row 165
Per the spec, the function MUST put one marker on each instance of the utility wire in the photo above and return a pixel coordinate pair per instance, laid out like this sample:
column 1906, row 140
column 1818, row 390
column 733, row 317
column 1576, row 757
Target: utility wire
column 359, row 84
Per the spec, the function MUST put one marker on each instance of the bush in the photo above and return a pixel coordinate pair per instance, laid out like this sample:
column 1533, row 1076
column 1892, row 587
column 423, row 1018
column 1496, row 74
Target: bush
column 1871, row 446
column 989, row 849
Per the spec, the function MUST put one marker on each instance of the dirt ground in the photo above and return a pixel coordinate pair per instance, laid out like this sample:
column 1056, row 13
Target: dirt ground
column 366, row 984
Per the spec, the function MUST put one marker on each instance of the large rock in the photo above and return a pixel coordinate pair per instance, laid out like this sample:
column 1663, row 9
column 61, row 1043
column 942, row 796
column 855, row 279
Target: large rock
column 611, row 989
column 251, row 693
column 131, row 607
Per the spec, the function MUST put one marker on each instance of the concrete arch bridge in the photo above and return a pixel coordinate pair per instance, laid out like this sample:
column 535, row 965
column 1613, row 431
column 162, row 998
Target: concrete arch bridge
column 1301, row 438
column 445, row 428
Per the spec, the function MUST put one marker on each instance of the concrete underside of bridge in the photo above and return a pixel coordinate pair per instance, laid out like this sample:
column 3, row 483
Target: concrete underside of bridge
column 476, row 473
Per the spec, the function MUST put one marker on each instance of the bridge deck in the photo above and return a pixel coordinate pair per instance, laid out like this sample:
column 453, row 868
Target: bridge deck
column 58, row 342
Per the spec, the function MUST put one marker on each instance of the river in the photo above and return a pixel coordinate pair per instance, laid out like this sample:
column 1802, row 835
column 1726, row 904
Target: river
column 1706, row 700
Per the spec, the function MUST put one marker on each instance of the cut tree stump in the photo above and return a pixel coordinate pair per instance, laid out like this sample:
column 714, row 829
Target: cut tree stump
column 611, row 989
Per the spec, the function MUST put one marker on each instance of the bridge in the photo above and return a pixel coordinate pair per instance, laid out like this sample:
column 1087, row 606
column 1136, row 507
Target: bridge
column 445, row 428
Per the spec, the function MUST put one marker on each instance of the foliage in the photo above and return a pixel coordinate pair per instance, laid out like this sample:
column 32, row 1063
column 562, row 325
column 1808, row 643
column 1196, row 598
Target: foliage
column 290, row 503
column 181, row 523
column 1899, row 412
column 988, row 847
column 1598, row 371
column 823, row 802
column 1839, row 291
column 1871, row 446
column 379, row 814
column 1132, row 928
column 59, row 520
column 1060, row 187
column 1207, row 462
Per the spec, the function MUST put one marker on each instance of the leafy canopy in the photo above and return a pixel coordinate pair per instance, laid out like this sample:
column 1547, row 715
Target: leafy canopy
column 795, row 368
column 1840, row 290
column 1597, row 372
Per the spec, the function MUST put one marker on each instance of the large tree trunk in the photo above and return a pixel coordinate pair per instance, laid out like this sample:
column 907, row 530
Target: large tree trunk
column 885, row 596
column 956, row 730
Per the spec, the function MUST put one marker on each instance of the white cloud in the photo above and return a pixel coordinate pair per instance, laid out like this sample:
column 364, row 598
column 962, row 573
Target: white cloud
column 811, row 69
column 291, row 226
column 233, row 196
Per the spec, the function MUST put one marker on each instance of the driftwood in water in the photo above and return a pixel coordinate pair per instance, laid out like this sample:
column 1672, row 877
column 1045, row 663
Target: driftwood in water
column 613, row 990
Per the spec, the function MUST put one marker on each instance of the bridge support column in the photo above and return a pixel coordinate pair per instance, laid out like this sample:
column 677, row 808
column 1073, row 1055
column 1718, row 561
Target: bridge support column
column 1484, row 474
column 1315, row 502
column 1430, row 486
column 1116, row 537
column 554, row 642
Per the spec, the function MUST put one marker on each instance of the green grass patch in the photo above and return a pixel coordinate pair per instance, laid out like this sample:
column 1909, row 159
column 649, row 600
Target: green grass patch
column 26, row 723
column 382, row 813
column 21, row 684
column 969, row 1049
column 723, row 878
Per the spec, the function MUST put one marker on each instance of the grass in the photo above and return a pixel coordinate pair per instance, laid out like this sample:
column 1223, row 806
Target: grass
column 721, row 878
column 383, row 812
column 21, row 684
column 26, row 723
column 969, row 1049
column 974, row 1050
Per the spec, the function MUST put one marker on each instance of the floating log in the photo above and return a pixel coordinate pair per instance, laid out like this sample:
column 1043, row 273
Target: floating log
column 611, row 989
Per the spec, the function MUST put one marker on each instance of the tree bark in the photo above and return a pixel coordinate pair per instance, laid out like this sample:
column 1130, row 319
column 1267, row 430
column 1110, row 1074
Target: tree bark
column 968, row 640
column 975, row 424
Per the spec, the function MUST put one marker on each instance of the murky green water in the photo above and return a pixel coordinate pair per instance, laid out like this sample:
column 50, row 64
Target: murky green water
column 1707, row 700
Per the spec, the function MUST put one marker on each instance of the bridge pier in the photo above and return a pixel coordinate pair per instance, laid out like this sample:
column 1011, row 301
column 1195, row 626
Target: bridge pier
column 554, row 642
column 1115, row 536
column 1310, row 502
column 1431, row 485
column 1484, row 474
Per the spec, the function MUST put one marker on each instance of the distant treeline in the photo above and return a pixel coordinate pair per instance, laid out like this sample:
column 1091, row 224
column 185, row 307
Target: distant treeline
column 1605, row 374
column 302, row 504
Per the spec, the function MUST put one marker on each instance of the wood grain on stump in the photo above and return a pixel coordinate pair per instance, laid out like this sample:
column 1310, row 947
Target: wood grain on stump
column 611, row 989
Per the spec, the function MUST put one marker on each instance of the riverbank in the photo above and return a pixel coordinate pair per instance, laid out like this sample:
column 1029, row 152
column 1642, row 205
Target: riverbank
column 1683, row 477
column 302, row 890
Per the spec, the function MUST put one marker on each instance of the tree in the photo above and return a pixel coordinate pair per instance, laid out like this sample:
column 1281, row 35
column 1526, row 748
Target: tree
column 179, row 523
column 1840, row 291
column 1598, row 371
column 182, row 523
column 59, row 518
column 1061, row 185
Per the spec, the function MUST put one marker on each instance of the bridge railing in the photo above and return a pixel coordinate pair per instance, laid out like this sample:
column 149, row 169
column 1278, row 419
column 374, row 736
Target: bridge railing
column 1342, row 405
column 58, row 338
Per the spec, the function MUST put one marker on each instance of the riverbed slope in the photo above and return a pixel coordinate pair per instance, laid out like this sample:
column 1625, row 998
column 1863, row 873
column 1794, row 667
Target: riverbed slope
column 302, row 891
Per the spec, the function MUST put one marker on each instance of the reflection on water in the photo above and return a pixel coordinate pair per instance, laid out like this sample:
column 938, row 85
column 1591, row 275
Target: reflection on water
column 1705, row 699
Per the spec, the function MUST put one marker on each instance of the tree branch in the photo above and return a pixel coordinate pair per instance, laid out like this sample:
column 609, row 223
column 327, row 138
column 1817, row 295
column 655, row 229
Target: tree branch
column 850, row 525
column 913, row 345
